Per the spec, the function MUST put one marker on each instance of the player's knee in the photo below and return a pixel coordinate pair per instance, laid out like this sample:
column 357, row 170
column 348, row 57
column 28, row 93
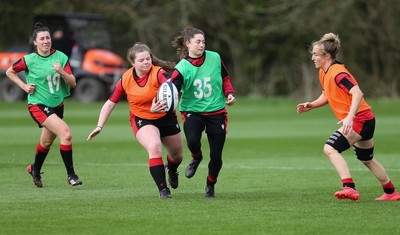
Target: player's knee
column 194, row 145
column 46, row 144
column 338, row 142
column 176, row 157
column 328, row 150
column 66, row 138
column 66, row 135
column 364, row 154
column 154, row 149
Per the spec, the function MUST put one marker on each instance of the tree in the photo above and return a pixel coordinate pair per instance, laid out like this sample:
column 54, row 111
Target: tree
column 264, row 43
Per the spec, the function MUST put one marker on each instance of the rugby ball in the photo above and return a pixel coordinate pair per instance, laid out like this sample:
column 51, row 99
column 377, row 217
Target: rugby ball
column 168, row 93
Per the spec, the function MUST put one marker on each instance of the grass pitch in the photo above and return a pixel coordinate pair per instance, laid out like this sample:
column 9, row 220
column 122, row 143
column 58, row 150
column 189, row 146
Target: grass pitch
column 275, row 178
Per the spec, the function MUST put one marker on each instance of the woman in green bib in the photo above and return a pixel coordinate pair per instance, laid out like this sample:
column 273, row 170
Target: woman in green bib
column 48, row 81
column 205, row 87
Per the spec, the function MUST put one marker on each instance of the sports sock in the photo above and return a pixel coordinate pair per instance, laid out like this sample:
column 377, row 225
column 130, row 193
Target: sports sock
column 198, row 156
column 211, row 181
column 171, row 165
column 388, row 188
column 66, row 154
column 348, row 182
column 157, row 171
column 40, row 156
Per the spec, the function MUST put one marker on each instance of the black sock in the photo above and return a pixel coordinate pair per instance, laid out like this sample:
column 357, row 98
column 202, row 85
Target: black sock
column 66, row 154
column 172, row 166
column 211, row 181
column 158, row 174
column 198, row 156
column 350, row 185
column 40, row 156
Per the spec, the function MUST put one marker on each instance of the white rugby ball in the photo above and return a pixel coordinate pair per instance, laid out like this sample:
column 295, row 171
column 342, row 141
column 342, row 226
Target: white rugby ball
column 168, row 93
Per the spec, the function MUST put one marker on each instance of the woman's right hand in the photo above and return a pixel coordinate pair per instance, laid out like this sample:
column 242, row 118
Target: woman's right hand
column 29, row 88
column 304, row 107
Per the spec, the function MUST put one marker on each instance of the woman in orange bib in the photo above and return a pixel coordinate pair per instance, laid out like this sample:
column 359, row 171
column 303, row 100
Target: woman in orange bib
column 341, row 91
column 152, row 126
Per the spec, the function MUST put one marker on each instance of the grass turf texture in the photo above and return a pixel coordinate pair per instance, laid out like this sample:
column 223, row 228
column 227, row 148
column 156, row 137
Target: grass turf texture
column 275, row 178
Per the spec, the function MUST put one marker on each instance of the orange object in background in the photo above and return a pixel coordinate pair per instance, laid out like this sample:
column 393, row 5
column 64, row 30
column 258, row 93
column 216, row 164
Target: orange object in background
column 8, row 58
column 100, row 61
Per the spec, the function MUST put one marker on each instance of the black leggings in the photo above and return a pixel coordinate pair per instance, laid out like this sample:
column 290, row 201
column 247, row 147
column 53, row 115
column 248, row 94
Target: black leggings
column 194, row 127
column 216, row 143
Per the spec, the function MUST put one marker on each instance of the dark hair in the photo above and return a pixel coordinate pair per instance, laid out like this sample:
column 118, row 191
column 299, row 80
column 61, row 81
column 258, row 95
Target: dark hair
column 186, row 34
column 39, row 28
column 140, row 47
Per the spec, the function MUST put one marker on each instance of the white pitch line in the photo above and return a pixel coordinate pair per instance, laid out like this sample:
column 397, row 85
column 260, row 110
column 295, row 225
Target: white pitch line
column 250, row 167
column 225, row 165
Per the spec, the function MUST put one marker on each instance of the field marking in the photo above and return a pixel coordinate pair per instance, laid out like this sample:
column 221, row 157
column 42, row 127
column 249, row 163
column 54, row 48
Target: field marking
column 300, row 168
column 225, row 165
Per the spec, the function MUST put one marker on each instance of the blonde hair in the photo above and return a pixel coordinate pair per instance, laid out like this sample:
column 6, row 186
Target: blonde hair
column 330, row 44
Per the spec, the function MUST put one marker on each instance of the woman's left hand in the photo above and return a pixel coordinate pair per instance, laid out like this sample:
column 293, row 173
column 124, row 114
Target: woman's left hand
column 158, row 106
column 230, row 100
column 57, row 67
column 347, row 124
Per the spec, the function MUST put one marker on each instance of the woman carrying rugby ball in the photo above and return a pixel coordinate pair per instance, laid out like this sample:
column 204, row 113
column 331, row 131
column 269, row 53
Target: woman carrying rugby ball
column 152, row 126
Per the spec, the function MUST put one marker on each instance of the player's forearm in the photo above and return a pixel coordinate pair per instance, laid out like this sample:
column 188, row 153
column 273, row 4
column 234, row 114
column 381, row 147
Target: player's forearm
column 355, row 103
column 69, row 79
column 320, row 101
column 13, row 76
column 105, row 112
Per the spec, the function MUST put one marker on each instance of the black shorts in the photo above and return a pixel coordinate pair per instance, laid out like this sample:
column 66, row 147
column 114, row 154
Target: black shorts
column 364, row 124
column 167, row 125
column 368, row 129
column 212, row 124
column 40, row 112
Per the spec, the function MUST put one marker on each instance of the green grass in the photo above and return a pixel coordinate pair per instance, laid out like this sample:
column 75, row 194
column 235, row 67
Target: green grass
column 275, row 178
